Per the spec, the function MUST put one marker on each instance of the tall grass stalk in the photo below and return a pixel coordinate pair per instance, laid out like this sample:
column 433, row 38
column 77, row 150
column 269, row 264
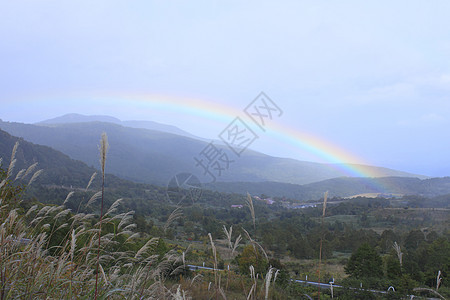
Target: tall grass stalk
column 69, row 266
column 228, row 234
column 174, row 215
column 267, row 282
column 438, row 280
column 255, row 243
column 398, row 250
column 429, row 290
column 214, row 250
column 232, row 246
column 12, row 161
column 103, row 151
column 252, row 293
column 249, row 203
column 321, row 239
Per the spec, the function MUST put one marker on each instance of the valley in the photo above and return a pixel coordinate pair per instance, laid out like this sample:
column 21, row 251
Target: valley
column 287, row 221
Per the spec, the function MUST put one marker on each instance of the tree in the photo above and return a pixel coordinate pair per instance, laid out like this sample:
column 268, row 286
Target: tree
column 251, row 256
column 364, row 263
column 387, row 239
column 414, row 239
column 393, row 268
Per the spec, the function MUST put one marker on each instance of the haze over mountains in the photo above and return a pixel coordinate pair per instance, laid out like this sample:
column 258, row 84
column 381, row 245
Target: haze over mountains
column 155, row 153
column 151, row 156
column 78, row 118
column 61, row 170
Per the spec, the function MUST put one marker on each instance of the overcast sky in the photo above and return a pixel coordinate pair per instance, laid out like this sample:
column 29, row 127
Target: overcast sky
column 372, row 77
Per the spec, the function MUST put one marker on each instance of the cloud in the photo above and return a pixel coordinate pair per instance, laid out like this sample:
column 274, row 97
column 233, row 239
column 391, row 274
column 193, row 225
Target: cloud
column 433, row 118
column 432, row 81
column 425, row 120
column 427, row 89
column 402, row 90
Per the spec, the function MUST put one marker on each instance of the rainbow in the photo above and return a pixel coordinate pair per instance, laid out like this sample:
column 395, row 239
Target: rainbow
column 342, row 159
column 329, row 152
column 325, row 151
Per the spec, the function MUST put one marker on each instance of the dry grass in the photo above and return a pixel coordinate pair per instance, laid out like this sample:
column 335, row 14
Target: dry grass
column 325, row 197
column 103, row 151
column 87, row 262
column 398, row 250
column 249, row 203
column 229, row 241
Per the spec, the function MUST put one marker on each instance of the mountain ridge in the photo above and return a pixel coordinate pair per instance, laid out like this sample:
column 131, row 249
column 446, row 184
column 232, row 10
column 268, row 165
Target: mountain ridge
column 340, row 187
column 61, row 170
column 151, row 125
column 150, row 156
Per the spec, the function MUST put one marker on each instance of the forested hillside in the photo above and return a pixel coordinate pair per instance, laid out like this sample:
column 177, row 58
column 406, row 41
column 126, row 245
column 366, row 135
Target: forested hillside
column 150, row 156
column 215, row 230
column 341, row 187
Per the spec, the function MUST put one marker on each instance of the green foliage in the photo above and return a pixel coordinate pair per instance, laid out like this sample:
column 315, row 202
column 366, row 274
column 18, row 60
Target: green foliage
column 252, row 256
column 285, row 233
column 404, row 284
column 283, row 275
column 46, row 252
column 161, row 248
column 365, row 263
column 414, row 239
column 387, row 239
column 393, row 268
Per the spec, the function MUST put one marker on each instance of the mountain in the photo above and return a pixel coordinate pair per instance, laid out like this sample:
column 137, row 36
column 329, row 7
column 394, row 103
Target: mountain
column 78, row 118
column 340, row 187
column 61, row 170
column 151, row 156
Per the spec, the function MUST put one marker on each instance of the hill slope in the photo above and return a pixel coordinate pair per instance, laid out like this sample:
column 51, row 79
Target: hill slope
column 78, row 118
column 151, row 156
column 61, row 170
column 340, row 187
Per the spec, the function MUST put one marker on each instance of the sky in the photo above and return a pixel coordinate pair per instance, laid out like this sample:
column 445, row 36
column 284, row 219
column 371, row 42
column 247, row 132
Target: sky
column 370, row 79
